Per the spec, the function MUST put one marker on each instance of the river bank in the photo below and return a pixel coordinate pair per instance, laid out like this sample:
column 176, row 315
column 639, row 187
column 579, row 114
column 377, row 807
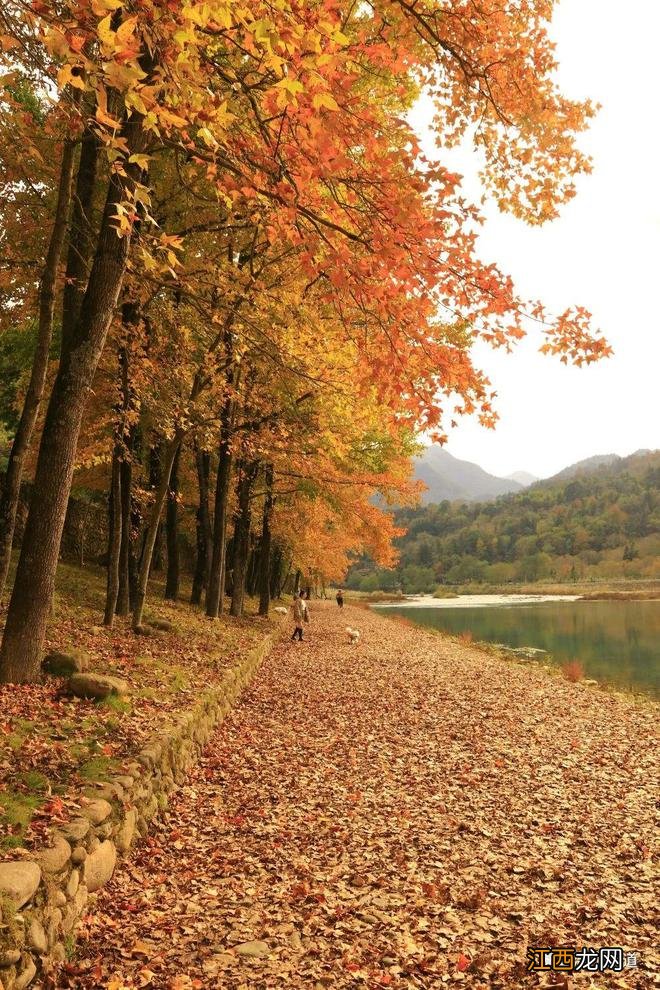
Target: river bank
column 407, row 812
column 623, row 590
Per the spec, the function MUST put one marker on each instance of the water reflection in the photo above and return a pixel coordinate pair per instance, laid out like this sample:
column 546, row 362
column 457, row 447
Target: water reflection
column 616, row 642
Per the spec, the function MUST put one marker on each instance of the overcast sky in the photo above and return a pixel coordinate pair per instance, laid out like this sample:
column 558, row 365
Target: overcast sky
column 603, row 253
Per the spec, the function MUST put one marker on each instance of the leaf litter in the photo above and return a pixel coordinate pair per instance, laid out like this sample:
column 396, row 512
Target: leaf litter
column 411, row 812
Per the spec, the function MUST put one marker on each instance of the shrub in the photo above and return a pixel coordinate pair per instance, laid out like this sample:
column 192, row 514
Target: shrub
column 573, row 671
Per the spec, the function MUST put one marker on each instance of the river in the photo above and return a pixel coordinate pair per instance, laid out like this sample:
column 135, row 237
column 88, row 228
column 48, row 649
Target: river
column 617, row 642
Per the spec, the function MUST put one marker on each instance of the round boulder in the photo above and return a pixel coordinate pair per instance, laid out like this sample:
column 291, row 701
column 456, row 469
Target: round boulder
column 99, row 866
column 65, row 664
column 98, row 686
column 19, row 880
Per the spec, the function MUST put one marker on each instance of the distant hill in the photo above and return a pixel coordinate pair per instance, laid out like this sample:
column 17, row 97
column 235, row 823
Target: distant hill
column 596, row 519
column 523, row 478
column 449, row 478
column 584, row 467
column 603, row 462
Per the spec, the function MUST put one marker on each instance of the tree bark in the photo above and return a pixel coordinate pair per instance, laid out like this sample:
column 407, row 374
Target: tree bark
column 246, row 477
column 252, row 570
column 215, row 594
column 276, row 571
column 30, row 605
column 172, row 530
column 126, row 487
column 155, row 477
column 81, row 236
column 114, row 539
column 130, row 314
column 204, row 530
column 47, row 291
column 266, row 541
column 170, row 453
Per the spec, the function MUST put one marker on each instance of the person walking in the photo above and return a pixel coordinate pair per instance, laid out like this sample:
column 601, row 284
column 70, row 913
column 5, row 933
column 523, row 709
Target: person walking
column 298, row 616
column 340, row 598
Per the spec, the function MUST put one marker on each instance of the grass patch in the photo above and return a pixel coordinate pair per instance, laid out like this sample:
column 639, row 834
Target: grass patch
column 17, row 807
column 21, row 729
column 98, row 768
column 180, row 680
column 116, row 704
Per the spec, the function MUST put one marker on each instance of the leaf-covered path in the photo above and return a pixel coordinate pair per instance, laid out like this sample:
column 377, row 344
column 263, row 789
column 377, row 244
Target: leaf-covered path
column 408, row 812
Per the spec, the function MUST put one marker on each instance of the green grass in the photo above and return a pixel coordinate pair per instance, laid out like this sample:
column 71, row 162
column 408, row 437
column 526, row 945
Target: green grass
column 98, row 768
column 116, row 704
column 23, row 727
column 18, row 807
column 179, row 680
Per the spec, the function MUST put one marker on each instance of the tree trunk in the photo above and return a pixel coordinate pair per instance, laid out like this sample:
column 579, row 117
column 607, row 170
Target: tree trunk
column 47, row 291
column 155, row 477
column 246, row 478
column 204, row 531
column 252, row 570
column 266, row 540
column 276, row 572
column 172, row 529
column 216, row 587
column 167, row 461
column 126, row 486
column 20, row 656
column 130, row 314
column 114, row 539
column 133, row 562
column 81, row 236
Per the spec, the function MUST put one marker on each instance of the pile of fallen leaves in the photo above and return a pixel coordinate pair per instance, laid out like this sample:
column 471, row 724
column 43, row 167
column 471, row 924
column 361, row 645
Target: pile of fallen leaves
column 408, row 812
column 52, row 745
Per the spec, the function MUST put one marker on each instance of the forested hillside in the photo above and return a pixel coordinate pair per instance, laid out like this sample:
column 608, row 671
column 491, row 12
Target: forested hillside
column 605, row 523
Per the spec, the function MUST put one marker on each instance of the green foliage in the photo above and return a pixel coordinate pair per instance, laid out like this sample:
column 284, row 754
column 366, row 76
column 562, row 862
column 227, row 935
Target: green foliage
column 26, row 96
column 602, row 524
column 17, row 345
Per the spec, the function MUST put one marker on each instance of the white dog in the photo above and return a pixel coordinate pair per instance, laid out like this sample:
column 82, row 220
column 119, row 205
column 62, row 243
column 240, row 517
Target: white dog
column 280, row 609
column 353, row 635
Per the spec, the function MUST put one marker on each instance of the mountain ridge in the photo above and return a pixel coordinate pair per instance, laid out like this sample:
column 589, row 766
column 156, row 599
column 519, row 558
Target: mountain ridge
column 450, row 478
column 453, row 479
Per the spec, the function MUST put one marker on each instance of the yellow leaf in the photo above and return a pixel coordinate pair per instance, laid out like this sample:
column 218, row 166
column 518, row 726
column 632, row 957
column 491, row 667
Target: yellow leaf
column 65, row 77
column 290, row 85
column 324, row 100
column 141, row 160
column 126, row 30
column 106, row 34
column 134, row 100
column 206, row 136
column 101, row 7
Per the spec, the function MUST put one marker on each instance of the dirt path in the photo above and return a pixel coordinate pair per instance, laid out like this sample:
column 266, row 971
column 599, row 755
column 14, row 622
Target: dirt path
column 404, row 813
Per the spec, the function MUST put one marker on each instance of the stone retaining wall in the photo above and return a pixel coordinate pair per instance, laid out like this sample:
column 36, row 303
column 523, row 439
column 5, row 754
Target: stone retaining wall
column 43, row 897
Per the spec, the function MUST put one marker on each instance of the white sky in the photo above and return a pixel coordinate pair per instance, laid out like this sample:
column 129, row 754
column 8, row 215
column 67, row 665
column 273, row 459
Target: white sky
column 603, row 253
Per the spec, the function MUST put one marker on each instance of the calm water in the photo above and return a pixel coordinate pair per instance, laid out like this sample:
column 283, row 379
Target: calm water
column 616, row 642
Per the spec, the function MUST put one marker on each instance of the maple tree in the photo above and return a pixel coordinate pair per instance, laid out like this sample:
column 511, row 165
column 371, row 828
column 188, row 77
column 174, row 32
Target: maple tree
column 246, row 190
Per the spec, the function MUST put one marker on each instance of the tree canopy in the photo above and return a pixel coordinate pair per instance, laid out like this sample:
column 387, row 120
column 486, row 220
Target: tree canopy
column 260, row 288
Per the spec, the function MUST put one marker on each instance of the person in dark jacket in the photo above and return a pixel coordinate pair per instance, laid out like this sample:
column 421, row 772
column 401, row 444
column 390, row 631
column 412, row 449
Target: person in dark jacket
column 340, row 598
column 298, row 616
